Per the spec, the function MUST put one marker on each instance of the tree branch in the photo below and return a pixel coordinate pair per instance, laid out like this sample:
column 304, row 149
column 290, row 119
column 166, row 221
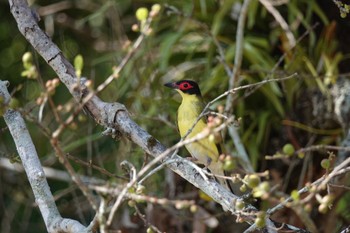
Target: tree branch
column 35, row 173
column 234, row 76
column 111, row 115
column 115, row 115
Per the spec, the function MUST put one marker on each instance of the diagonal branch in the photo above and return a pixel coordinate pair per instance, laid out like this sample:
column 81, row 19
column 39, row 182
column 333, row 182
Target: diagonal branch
column 35, row 173
column 114, row 115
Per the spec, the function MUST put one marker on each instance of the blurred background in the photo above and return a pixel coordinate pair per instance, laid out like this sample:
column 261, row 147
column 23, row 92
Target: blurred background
column 183, row 43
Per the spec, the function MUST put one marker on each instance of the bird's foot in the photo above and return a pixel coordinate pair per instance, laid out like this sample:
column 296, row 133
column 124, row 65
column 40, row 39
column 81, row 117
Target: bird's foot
column 109, row 131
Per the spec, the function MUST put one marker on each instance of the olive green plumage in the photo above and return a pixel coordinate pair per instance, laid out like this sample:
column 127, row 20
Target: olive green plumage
column 205, row 151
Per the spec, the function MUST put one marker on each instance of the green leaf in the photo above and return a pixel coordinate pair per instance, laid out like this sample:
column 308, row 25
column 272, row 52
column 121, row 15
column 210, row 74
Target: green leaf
column 167, row 49
column 263, row 122
column 274, row 99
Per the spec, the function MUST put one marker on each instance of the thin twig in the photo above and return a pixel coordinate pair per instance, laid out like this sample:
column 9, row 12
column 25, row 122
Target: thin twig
column 238, row 54
column 162, row 165
column 160, row 157
column 146, row 222
column 76, row 179
column 133, row 179
column 322, row 147
column 321, row 182
column 268, row 5
column 91, row 165
column 102, row 86
column 339, row 186
column 181, row 143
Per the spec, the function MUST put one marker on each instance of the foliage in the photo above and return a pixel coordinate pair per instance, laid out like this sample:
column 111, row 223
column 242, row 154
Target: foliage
column 277, row 119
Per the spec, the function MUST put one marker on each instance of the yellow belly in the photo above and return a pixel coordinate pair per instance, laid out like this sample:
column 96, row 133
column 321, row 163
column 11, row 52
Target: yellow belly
column 203, row 150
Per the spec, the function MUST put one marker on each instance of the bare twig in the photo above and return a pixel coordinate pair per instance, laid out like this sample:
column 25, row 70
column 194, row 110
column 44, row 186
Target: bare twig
column 89, row 164
column 146, row 222
column 343, row 8
column 139, row 197
column 107, row 114
column 133, row 179
column 238, row 54
column 322, row 147
column 112, row 77
column 75, row 177
column 320, row 184
column 268, row 5
column 115, row 115
column 232, row 81
column 159, row 158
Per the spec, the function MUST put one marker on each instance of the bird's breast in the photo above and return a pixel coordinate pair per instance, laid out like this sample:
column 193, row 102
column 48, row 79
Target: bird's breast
column 203, row 149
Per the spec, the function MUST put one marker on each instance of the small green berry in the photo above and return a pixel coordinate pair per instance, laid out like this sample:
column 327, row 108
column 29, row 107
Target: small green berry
column 131, row 203
column 260, row 222
column 295, row 195
column 27, row 58
column 193, row 208
column 252, row 180
column 142, row 14
column 262, row 190
column 328, row 199
column 301, row 155
column 239, row 205
column 156, row 7
column 155, row 10
column 323, row 208
column 235, row 179
column 288, row 149
column 132, row 190
column 82, row 118
column 325, row 163
column 229, row 163
column 243, row 188
column 140, row 189
column 211, row 138
column 264, row 186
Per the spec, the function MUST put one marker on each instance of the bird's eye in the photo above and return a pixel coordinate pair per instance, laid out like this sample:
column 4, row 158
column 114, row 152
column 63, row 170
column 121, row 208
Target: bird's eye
column 185, row 86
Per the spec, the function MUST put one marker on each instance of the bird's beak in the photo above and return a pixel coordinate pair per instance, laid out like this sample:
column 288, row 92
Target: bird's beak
column 171, row 85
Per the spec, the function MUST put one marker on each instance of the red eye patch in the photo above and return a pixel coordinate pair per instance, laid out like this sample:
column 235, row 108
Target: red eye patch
column 185, row 86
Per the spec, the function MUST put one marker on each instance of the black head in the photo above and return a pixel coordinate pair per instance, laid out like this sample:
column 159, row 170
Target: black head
column 186, row 86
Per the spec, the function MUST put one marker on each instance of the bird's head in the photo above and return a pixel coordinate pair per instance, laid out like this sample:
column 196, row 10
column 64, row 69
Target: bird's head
column 184, row 87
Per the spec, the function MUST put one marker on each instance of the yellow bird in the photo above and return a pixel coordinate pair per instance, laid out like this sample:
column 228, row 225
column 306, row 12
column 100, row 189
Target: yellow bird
column 205, row 151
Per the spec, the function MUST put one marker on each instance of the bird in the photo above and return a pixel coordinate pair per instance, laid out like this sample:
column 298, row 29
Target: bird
column 204, row 151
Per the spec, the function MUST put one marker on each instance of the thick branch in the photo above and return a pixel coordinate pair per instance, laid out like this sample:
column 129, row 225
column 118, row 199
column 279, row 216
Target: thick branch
column 114, row 114
column 35, row 173
column 109, row 114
